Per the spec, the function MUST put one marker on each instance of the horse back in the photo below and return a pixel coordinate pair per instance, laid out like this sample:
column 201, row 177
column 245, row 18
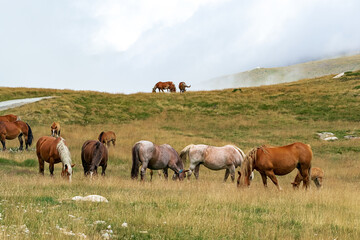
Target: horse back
column 89, row 150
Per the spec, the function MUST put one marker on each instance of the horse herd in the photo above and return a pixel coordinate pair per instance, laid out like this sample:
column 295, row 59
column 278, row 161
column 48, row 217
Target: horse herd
column 269, row 161
column 170, row 86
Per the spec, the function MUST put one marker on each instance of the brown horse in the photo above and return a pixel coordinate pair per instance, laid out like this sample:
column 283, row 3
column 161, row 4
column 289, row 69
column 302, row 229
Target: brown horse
column 271, row 161
column 93, row 155
column 317, row 175
column 107, row 137
column 55, row 129
column 156, row 157
column 54, row 150
column 172, row 87
column 161, row 86
column 183, row 86
column 9, row 118
column 18, row 129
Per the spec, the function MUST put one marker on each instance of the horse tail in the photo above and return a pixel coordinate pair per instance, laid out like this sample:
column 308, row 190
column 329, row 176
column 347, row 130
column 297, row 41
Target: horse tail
column 30, row 135
column 100, row 136
column 98, row 153
column 185, row 152
column 136, row 160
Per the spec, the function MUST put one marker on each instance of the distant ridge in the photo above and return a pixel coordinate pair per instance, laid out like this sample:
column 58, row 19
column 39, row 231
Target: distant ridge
column 267, row 76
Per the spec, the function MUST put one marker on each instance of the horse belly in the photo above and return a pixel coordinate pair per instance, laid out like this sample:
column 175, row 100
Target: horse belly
column 284, row 170
column 214, row 166
column 156, row 165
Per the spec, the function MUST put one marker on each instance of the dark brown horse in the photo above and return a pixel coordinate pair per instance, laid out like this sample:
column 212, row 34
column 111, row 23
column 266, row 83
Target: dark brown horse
column 183, row 86
column 271, row 161
column 156, row 157
column 18, row 129
column 54, row 150
column 107, row 137
column 55, row 129
column 9, row 118
column 93, row 155
column 161, row 86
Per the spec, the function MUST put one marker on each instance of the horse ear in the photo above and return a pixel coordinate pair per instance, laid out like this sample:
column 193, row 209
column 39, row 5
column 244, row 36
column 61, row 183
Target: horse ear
column 73, row 165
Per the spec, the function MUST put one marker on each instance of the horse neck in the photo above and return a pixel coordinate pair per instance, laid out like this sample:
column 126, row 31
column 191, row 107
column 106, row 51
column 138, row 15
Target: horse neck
column 64, row 153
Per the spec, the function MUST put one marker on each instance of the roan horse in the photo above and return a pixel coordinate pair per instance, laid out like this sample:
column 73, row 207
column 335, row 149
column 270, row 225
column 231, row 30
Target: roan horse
column 93, row 155
column 107, row 137
column 270, row 161
column 156, row 157
column 228, row 157
column 317, row 175
column 55, row 129
column 18, row 129
column 183, row 86
column 9, row 118
column 54, row 150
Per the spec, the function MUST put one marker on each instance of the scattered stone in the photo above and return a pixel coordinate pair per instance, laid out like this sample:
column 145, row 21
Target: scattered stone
column 349, row 137
column 124, row 224
column 99, row 222
column 90, row 198
column 143, row 231
column 327, row 136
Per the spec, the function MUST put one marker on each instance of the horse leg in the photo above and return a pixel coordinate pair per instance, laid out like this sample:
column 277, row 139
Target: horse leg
column 273, row 178
column 196, row 173
column 151, row 174
column 264, row 179
column 103, row 168
column 166, row 174
column 41, row 165
column 3, row 143
column 21, row 141
column 227, row 172
column 113, row 142
column 143, row 170
column 51, row 167
column 305, row 175
column 232, row 173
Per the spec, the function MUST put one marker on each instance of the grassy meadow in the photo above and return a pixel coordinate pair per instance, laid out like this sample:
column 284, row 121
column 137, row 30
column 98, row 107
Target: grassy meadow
column 40, row 207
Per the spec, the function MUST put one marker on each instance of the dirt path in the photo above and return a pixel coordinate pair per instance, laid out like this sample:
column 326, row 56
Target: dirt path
column 19, row 102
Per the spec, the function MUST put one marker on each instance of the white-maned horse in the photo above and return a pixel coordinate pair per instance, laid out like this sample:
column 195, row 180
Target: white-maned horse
column 228, row 157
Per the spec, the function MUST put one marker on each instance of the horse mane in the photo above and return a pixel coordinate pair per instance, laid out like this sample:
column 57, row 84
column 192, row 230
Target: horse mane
column 241, row 153
column 100, row 136
column 249, row 161
column 64, row 153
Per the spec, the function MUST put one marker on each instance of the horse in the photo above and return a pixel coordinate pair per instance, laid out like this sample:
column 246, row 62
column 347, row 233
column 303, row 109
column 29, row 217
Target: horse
column 54, row 150
column 228, row 157
column 183, row 86
column 9, row 118
column 162, row 86
column 17, row 129
column 93, row 155
column 316, row 175
column 107, row 137
column 156, row 157
column 172, row 87
column 55, row 129
column 270, row 161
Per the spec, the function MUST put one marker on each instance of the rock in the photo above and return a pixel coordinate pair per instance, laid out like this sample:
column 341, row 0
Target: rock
column 327, row 136
column 349, row 137
column 90, row 198
column 124, row 224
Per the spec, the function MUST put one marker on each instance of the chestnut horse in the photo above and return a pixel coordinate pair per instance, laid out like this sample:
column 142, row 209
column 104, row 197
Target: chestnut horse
column 55, row 129
column 228, row 157
column 162, row 86
column 93, row 155
column 183, row 86
column 18, row 129
column 156, row 157
column 271, row 161
column 172, row 87
column 317, row 175
column 9, row 118
column 54, row 150
column 107, row 137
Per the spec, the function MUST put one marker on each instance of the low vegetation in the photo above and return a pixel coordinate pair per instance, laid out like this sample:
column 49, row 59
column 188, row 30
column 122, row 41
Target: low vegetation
column 36, row 207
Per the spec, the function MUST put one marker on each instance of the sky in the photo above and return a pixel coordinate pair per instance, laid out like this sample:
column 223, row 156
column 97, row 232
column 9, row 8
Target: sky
column 123, row 46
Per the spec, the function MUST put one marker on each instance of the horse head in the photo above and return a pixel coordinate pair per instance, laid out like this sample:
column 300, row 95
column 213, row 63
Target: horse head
column 181, row 175
column 247, row 168
column 54, row 129
column 67, row 171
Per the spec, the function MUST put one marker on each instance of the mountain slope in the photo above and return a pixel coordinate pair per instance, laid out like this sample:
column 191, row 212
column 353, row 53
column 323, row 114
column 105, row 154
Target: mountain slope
column 268, row 76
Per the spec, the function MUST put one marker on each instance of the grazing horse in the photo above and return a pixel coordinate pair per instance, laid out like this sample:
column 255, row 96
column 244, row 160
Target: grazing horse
column 183, row 86
column 172, row 87
column 9, row 118
column 316, row 174
column 93, row 155
column 270, row 161
column 228, row 157
column 55, row 129
column 107, row 137
column 54, row 150
column 162, row 86
column 156, row 157
column 12, row 130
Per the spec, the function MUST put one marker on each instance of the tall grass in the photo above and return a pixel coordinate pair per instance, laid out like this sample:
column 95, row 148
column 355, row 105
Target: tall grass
column 37, row 207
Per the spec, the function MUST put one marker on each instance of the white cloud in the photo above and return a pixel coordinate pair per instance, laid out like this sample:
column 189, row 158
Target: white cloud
column 121, row 23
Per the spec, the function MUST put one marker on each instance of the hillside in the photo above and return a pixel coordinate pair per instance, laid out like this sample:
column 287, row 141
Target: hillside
column 267, row 76
column 34, row 207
